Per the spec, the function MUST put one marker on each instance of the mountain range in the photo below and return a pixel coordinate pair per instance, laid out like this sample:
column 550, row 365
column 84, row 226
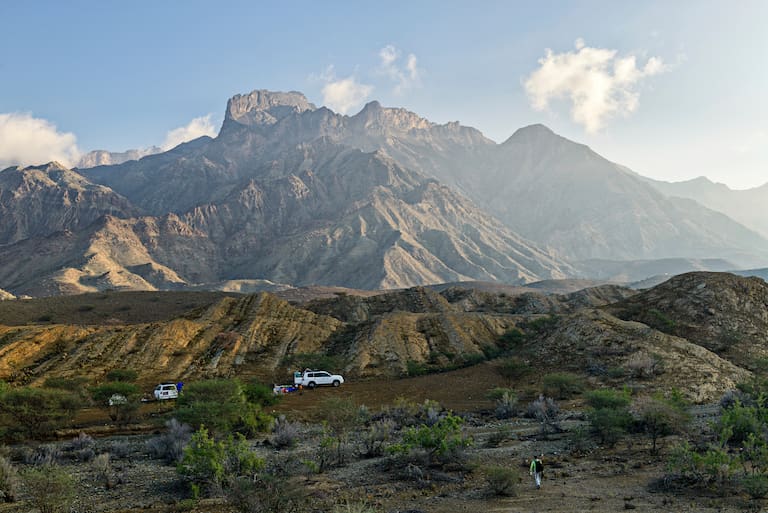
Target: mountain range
column 297, row 195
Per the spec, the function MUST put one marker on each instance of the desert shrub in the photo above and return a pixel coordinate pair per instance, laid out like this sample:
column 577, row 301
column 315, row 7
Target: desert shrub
column 715, row 466
column 121, row 399
column 125, row 375
column 50, row 487
column 755, row 485
column 214, row 465
column 222, row 406
column 10, row 484
column 170, row 445
column 607, row 398
column 502, row 480
column 506, row 402
column 414, row 368
column 643, row 365
column 102, row 466
column 374, row 440
column 82, row 448
column 511, row 339
column 546, row 411
column 658, row 416
column 739, row 422
column 45, row 454
column 444, row 440
column 285, row 433
column 512, row 368
column 341, row 416
column 543, row 324
column 258, row 393
column 660, row 321
column 34, row 412
column 267, row 493
column 610, row 424
column 562, row 385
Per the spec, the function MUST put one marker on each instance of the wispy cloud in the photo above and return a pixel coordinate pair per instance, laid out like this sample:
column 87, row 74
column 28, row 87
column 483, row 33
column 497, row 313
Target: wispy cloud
column 26, row 140
column 598, row 83
column 404, row 76
column 343, row 94
column 198, row 127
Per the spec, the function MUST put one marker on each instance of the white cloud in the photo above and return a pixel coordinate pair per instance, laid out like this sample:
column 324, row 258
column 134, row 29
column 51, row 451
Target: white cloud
column 598, row 84
column 343, row 94
column 403, row 78
column 26, row 140
column 198, row 127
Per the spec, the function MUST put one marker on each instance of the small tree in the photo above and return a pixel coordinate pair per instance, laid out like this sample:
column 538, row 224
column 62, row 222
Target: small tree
column 119, row 398
column 659, row 417
column 35, row 412
column 222, row 406
column 125, row 375
column 609, row 417
column 52, row 489
column 215, row 465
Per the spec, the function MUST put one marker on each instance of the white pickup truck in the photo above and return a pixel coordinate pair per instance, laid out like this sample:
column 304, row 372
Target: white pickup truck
column 315, row 378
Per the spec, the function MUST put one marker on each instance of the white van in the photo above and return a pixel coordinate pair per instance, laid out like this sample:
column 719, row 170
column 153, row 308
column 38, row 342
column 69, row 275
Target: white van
column 166, row 391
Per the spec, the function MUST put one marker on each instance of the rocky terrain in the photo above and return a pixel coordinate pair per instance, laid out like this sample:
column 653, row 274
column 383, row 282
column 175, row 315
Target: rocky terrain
column 661, row 339
column 701, row 333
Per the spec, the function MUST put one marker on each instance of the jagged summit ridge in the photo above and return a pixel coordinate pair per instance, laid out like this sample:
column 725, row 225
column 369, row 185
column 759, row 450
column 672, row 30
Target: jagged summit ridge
column 262, row 107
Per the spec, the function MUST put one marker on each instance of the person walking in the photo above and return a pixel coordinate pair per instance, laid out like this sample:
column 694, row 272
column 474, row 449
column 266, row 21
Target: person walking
column 537, row 468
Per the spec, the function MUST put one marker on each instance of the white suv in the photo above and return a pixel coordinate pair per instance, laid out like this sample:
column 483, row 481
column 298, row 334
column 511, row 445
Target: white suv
column 166, row 391
column 315, row 378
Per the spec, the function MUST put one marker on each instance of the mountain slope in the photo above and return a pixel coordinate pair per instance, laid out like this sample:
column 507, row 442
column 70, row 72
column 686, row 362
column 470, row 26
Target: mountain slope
column 39, row 200
column 745, row 206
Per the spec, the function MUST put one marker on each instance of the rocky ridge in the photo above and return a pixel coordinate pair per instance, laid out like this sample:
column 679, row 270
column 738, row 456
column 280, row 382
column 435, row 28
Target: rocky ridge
column 391, row 334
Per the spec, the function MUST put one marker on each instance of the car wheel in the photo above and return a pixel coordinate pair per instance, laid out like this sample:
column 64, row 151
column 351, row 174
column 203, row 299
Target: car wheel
column 336, row 382
column 311, row 384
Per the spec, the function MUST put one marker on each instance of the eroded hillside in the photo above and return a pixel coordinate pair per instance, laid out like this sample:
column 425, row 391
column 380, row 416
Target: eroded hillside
column 588, row 332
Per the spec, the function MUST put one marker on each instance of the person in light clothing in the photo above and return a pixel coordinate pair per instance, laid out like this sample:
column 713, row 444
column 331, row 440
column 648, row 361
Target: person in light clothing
column 537, row 469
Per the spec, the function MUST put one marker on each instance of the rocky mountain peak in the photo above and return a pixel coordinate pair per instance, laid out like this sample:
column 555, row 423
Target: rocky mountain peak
column 375, row 116
column 262, row 107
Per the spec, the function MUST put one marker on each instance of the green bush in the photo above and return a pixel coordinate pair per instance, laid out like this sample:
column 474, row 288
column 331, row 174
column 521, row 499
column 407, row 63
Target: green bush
column 502, row 480
column 259, row 394
column 506, row 402
column 740, row 422
column 51, row 488
column 610, row 424
column 34, row 412
column 562, row 385
column 222, row 406
column 658, row 417
column 314, row 361
column 756, row 485
column 607, row 398
column 442, row 440
column 511, row 339
column 215, row 465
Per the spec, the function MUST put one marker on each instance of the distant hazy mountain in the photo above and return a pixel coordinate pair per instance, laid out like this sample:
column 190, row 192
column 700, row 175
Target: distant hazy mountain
column 748, row 207
column 39, row 200
column 631, row 271
column 322, row 214
column 108, row 158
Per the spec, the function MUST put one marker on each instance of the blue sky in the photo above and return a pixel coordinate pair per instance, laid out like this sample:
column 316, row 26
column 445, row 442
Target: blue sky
column 673, row 90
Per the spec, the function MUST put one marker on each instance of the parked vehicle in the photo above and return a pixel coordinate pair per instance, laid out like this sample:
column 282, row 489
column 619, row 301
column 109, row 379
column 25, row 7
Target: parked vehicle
column 166, row 391
column 315, row 378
